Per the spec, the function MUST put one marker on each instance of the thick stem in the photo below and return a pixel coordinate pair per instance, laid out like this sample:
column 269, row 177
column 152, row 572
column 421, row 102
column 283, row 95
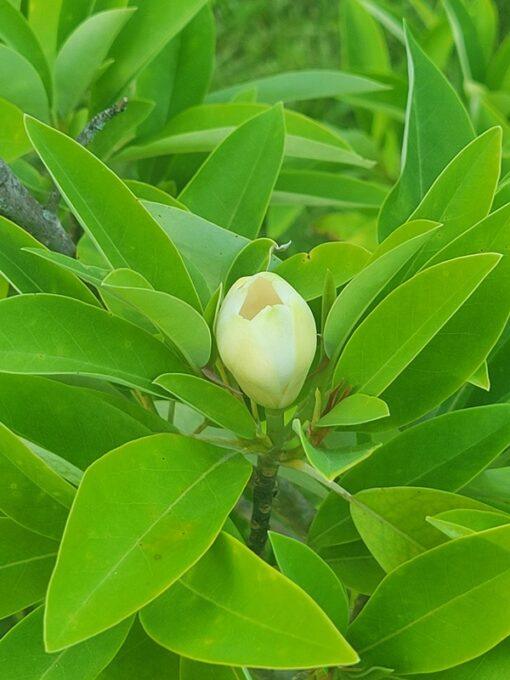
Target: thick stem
column 264, row 488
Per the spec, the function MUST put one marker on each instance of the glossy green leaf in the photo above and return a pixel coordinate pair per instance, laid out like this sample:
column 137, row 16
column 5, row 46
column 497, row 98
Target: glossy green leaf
column 212, row 598
column 481, row 378
column 202, row 128
column 299, row 86
column 253, row 258
column 232, row 188
column 83, row 53
column 30, row 492
column 435, row 119
column 89, row 273
column 72, row 14
column 360, row 293
column 132, row 51
column 355, row 410
column 392, row 521
column 306, row 271
column 177, row 320
column 438, row 590
column 179, row 76
column 492, row 487
column 21, row 84
column 22, row 653
column 100, row 345
column 60, row 417
column 118, row 224
column 14, row 141
column 26, row 563
column 148, row 192
column 213, row 401
column 121, row 129
column 335, row 461
column 463, row 193
column 140, row 658
column 143, row 515
column 405, row 321
column 458, row 523
column 309, row 571
column 319, row 188
column 493, row 665
column 28, row 274
column 479, row 322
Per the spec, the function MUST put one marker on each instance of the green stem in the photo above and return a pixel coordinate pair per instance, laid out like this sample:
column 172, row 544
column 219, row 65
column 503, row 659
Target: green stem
column 264, row 487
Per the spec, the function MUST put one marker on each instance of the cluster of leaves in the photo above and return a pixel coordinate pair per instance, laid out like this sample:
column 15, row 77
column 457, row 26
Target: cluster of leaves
column 126, row 448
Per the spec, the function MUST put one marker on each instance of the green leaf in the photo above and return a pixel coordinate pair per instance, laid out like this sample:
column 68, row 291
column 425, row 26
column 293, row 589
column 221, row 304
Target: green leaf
column 481, row 378
column 89, row 273
column 435, row 119
column 95, row 344
column 467, row 39
column 463, row 193
column 491, row 486
column 179, row 76
column 44, row 18
column 438, row 589
column 115, row 220
column 30, row 492
column 493, row 665
column 355, row 410
column 253, row 258
column 294, row 86
column 26, row 562
column 177, row 320
column 400, row 327
column 234, row 619
column 479, row 322
column 392, row 521
column 232, row 188
column 207, row 246
column 28, row 274
column 213, row 401
column 361, row 292
column 304, row 567
column 458, row 523
column 55, row 420
column 132, row 51
column 357, row 27
column 143, row 515
column 21, row 84
column 22, row 653
column 307, row 271
column 140, row 658
column 73, row 13
column 148, row 192
column 14, row 141
column 83, row 53
column 16, row 32
column 319, row 188
column 202, row 128
column 335, row 461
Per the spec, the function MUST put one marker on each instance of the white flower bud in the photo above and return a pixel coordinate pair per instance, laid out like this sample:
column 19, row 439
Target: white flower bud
column 266, row 337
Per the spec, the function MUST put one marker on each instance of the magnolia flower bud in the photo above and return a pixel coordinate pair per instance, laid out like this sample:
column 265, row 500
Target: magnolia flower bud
column 266, row 337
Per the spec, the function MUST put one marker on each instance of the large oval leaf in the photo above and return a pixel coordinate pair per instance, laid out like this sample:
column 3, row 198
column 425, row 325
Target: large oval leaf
column 115, row 220
column 405, row 321
column 60, row 417
column 216, row 598
column 21, row 84
column 65, row 336
column 441, row 596
column 143, row 515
